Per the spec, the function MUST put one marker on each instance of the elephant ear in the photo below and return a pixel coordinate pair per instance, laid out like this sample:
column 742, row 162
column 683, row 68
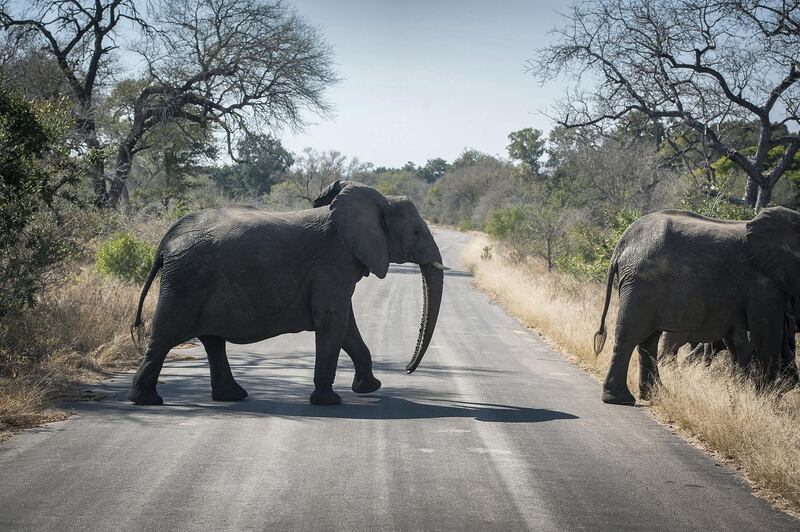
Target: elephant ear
column 773, row 238
column 328, row 193
column 358, row 214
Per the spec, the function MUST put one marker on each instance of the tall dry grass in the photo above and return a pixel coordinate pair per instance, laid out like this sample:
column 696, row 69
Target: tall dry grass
column 758, row 432
column 77, row 334
column 79, row 331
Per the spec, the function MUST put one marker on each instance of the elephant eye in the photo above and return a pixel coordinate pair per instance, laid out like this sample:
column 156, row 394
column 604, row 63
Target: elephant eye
column 417, row 232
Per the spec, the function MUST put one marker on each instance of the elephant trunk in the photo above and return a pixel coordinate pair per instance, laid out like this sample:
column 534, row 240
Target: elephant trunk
column 432, row 285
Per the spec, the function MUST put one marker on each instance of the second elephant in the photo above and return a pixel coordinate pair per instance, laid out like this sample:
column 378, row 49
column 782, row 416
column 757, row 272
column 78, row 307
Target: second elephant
column 703, row 278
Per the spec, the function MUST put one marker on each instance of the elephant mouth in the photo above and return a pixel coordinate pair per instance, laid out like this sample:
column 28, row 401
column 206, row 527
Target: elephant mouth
column 432, row 287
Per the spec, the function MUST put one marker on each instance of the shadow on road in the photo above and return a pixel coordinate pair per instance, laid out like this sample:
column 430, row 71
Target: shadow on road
column 188, row 395
column 375, row 406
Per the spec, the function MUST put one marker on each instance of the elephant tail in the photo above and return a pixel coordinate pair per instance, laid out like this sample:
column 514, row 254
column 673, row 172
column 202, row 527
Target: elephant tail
column 138, row 323
column 600, row 335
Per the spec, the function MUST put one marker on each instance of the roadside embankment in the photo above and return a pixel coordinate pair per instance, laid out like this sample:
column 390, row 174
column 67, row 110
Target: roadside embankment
column 757, row 432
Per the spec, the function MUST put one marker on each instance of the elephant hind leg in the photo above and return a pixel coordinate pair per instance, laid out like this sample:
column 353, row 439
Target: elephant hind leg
column 615, row 386
column 631, row 331
column 223, row 385
column 143, row 386
column 648, row 366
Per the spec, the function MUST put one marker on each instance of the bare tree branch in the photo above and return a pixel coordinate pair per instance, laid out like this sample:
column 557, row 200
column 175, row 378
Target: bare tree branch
column 702, row 63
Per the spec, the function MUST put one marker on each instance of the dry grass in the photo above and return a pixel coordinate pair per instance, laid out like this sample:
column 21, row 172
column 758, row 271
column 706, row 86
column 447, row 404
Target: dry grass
column 564, row 309
column 756, row 432
column 78, row 334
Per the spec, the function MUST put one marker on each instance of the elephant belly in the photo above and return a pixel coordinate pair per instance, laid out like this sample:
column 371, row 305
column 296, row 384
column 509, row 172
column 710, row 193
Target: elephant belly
column 252, row 323
column 674, row 304
column 700, row 322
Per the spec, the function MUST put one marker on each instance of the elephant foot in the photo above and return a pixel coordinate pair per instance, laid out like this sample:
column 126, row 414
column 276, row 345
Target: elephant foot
column 145, row 397
column 624, row 398
column 366, row 385
column 233, row 392
column 328, row 397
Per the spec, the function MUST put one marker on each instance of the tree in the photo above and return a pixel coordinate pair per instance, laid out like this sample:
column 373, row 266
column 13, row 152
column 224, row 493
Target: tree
column 175, row 164
column 474, row 186
column 235, row 65
column 313, row 171
column 433, row 169
column 527, row 146
column 695, row 64
column 546, row 223
column 263, row 163
column 36, row 175
column 602, row 180
column 80, row 38
column 471, row 157
column 397, row 183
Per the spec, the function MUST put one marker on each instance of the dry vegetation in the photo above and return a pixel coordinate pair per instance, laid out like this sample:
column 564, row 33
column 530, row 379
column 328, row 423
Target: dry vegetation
column 75, row 336
column 78, row 333
column 756, row 432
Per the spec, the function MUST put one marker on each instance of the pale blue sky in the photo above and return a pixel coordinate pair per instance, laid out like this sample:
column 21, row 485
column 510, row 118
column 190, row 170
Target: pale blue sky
column 424, row 79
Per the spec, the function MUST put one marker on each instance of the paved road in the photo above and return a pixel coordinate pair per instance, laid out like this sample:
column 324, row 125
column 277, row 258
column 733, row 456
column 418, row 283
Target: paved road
column 494, row 432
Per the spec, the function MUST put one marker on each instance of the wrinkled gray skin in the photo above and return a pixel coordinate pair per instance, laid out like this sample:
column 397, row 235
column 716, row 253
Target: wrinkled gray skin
column 741, row 351
column 704, row 279
column 241, row 275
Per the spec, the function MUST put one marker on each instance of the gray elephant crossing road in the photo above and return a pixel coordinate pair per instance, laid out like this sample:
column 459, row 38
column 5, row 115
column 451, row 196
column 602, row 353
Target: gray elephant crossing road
column 494, row 431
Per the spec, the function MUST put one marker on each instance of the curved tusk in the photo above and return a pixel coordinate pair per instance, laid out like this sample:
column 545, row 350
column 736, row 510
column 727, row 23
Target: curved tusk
column 440, row 266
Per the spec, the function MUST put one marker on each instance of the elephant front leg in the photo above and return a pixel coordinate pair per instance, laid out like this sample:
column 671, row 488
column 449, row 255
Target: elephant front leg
column 364, row 381
column 329, row 339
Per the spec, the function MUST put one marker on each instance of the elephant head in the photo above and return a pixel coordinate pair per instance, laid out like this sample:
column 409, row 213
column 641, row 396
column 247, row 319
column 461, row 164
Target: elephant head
column 379, row 230
column 773, row 238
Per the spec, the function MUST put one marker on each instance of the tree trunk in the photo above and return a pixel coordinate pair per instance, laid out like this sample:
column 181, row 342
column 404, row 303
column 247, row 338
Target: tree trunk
column 121, row 172
column 750, row 192
column 97, row 175
column 97, row 166
column 549, row 256
column 764, row 195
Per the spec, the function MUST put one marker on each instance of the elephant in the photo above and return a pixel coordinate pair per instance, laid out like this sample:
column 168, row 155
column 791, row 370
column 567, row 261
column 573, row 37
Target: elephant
column 736, row 343
column 703, row 278
column 240, row 274
column 740, row 349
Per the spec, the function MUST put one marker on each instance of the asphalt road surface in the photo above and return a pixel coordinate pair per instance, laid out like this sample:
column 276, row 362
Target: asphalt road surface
column 494, row 431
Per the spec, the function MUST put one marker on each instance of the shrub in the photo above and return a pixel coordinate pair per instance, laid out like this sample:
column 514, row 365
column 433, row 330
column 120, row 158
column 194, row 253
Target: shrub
column 125, row 257
column 36, row 180
column 593, row 246
column 717, row 208
column 504, row 224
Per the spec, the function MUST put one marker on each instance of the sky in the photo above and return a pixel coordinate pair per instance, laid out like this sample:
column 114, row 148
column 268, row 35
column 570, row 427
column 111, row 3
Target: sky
column 426, row 79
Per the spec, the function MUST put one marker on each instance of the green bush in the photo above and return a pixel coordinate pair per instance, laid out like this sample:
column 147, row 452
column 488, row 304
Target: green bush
column 125, row 257
column 504, row 224
column 593, row 246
